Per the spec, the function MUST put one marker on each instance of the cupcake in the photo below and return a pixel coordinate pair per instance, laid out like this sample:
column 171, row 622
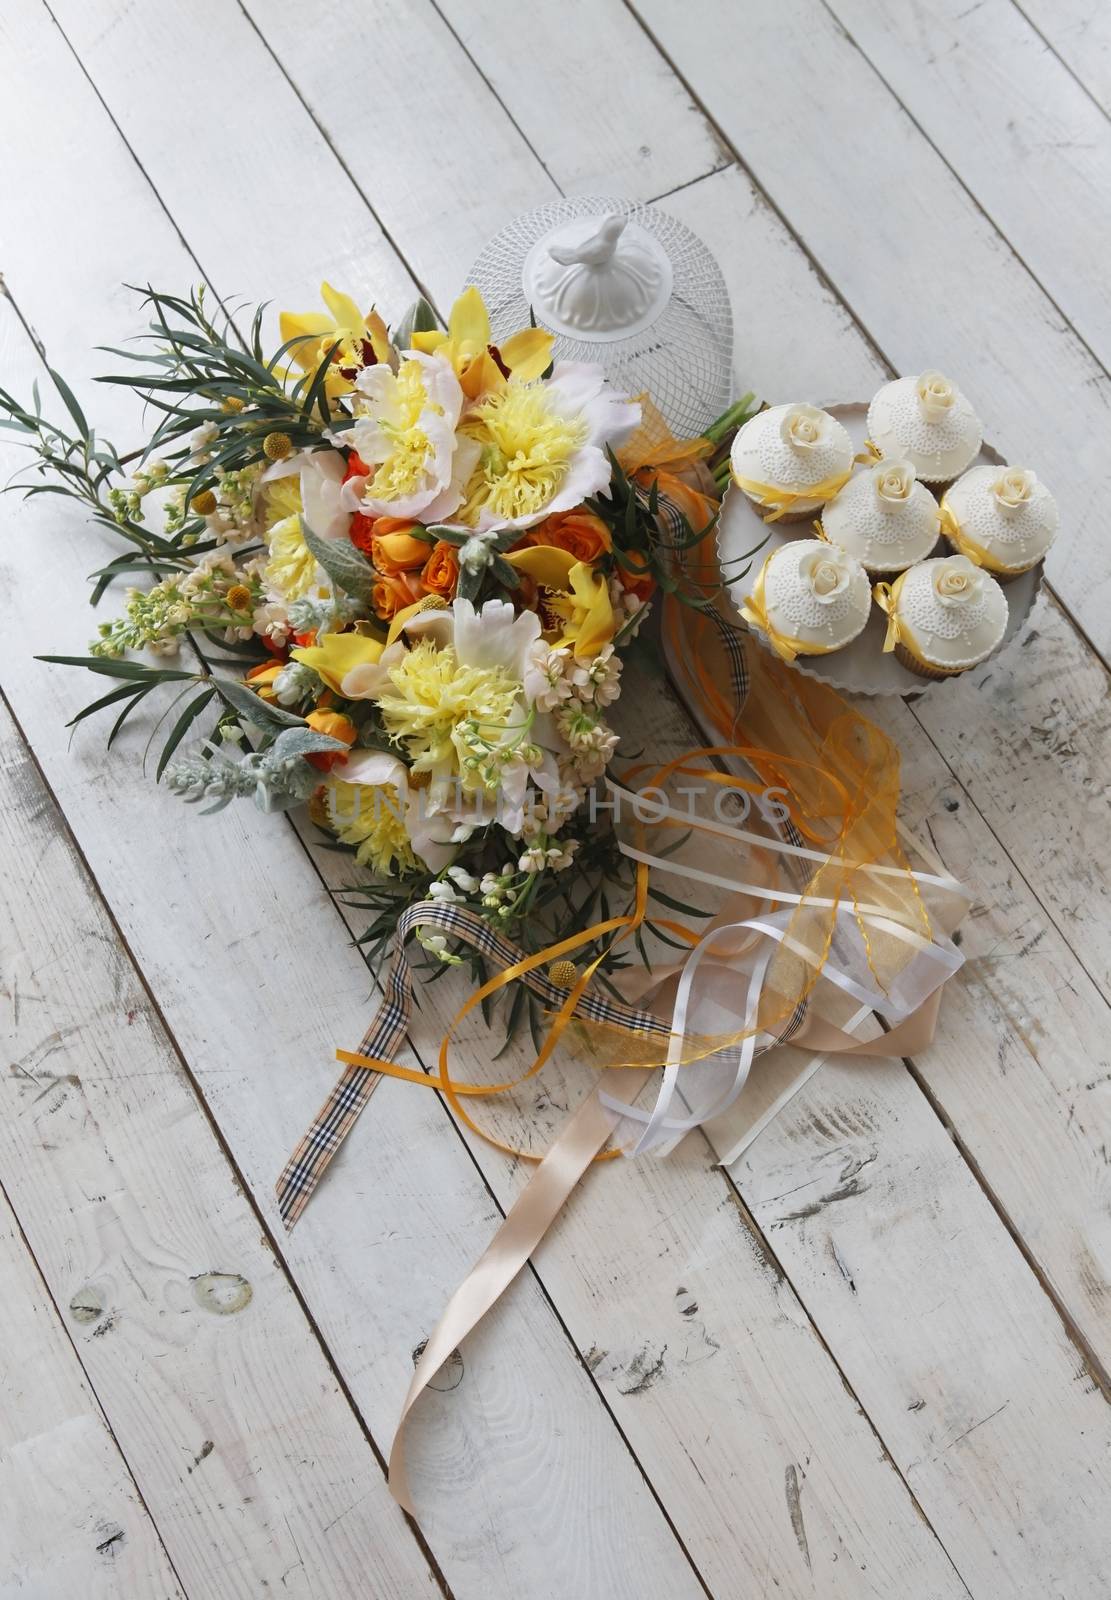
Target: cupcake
column 943, row 616
column 928, row 422
column 884, row 517
column 810, row 598
column 789, row 460
column 1002, row 518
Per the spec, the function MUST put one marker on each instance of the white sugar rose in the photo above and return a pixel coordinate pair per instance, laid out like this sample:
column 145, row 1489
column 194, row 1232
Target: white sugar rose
column 803, row 427
column 958, row 582
column 894, row 481
column 1013, row 488
column 827, row 572
column 936, row 395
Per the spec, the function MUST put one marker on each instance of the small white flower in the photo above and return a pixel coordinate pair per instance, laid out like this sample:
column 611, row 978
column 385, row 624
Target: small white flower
column 443, row 893
column 199, row 441
column 464, row 880
column 533, row 860
column 271, row 621
column 560, row 856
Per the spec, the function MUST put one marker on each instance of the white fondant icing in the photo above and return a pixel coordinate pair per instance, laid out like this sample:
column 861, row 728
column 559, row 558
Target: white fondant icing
column 816, row 593
column 953, row 613
column 1006, row 511
column 792, row 447
column 884, row 517
column 928, row 422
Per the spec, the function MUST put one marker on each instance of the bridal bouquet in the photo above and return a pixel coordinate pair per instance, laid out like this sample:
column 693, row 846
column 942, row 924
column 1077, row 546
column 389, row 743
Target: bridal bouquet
column 396, row 569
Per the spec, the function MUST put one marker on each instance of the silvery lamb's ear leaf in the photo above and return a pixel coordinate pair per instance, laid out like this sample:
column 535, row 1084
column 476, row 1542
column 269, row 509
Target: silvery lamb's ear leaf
column 302, row 742
column 347, row 569
column 420, row 318
column 261, row 712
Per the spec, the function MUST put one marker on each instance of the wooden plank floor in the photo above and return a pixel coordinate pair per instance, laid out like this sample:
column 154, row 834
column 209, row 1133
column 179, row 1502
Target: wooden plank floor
column 870, row 1361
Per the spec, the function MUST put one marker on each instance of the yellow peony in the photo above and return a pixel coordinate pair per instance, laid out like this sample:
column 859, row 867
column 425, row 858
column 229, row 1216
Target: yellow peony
column 371, row 817
column 541, row 447
column 404, row 431
column 450, row 718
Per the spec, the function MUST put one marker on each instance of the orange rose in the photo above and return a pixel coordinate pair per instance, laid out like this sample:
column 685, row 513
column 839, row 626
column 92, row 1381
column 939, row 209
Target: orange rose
column 642, row 584
column 388, row 542
column 394, row 549
column 393, row 592
column 336, row 726
column 441, row 571
column 580, row 532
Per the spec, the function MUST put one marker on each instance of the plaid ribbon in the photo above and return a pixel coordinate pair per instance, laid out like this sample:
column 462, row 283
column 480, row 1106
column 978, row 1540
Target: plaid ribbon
column 337, row 1116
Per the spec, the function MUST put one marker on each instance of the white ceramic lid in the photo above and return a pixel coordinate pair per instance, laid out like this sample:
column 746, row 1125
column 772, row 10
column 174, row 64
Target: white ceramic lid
column 927, row 421
column 953, row 613
column 794, row 447
column 816, row 594
column 1005, row 511
column 884, row 517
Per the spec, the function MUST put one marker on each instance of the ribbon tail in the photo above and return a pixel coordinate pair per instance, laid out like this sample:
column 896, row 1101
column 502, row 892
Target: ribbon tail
column 526, row 1223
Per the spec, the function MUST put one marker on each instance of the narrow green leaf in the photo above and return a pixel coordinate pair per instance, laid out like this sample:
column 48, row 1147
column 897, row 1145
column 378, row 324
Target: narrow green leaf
column 181, row 728
column 68, row 396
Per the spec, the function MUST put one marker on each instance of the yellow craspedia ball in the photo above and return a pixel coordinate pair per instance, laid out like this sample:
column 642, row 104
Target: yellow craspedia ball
column 564, row 974
column 238, row 597
column 233, row 403
column 204, row 504
column 277, row 446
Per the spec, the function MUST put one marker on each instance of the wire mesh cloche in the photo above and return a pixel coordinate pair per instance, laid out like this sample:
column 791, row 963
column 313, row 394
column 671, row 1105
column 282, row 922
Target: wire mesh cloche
column 626, row 286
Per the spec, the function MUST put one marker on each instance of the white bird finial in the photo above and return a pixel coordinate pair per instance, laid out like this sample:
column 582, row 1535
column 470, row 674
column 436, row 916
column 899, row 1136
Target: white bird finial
column 596, row 251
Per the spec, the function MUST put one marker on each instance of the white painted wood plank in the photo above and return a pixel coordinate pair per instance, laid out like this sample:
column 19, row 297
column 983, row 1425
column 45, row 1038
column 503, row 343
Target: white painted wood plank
column 73, row 1520
column 242, row 1443
column 1017, row 129
column 900, row 1246
column 257, row 1009
column 414, row 150
column 924, row 271
column 1080, row 33
column 1030, row 737
column 594, row 98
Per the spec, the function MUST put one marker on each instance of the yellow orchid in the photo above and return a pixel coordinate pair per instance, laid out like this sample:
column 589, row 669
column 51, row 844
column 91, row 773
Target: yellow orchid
column 337, row 655
column 577, row 593
column 586, row 610
column 467, row 345
column 360, row 338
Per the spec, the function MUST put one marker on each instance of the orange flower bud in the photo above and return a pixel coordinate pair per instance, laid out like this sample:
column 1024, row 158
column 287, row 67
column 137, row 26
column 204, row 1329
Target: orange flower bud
column 336, row 726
